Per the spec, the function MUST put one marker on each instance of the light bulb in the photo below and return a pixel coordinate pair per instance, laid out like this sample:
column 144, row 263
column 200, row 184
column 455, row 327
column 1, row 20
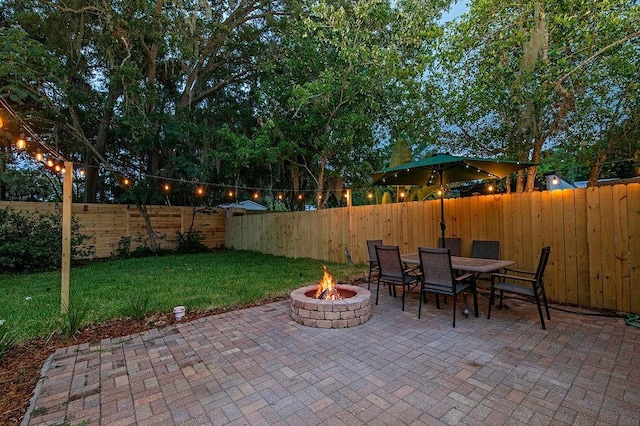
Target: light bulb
column 21, row 142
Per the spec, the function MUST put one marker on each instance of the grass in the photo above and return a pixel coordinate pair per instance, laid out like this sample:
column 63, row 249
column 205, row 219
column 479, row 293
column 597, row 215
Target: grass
column 30, row 303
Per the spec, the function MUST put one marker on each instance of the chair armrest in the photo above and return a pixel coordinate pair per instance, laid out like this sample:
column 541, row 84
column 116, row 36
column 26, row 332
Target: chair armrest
column 411, row 269
column 513, row 277
column 519, row 271
column 464, row 277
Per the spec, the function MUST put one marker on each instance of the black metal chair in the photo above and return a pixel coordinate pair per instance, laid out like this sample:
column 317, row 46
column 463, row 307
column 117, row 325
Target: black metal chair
column 373, row 258
column 438, row 278
column 525, row 282
column 393, row 272
column 485, row 249
column 453, row 244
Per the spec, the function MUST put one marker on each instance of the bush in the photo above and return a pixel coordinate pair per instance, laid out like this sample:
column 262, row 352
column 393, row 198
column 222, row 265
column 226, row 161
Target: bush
column 123, row 250
column 7, row 340
column 32, row 242
column 190, row 242
column 75, row 315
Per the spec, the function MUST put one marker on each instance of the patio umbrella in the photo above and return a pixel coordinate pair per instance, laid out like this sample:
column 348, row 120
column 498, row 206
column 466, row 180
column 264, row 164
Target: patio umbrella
column 443, row 169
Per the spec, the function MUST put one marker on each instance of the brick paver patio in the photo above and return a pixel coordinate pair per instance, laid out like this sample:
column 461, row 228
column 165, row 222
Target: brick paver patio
column 257, row 366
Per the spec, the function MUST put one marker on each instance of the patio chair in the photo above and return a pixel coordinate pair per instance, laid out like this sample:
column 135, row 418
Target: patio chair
column 525, row 282
column 393, row 272
column 485, row 249
column 453, row 244
column 438, row 278
column 373, row 258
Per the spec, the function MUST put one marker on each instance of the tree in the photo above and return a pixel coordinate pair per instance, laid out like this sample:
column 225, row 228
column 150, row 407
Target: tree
column 342, row 71
column 142, row 82
column 513, row 75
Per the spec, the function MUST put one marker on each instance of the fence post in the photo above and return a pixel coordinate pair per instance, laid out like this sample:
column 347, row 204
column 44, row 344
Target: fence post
column 67, row 199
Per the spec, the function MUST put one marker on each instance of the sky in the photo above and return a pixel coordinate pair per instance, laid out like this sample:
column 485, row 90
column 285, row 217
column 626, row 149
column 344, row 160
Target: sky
column 457, row 9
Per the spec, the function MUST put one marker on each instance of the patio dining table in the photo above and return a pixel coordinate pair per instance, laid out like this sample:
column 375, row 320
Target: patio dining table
column 474, row 265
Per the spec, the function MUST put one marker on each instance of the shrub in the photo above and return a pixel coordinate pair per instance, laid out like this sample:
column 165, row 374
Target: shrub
column 123, row 250
column 72, row 320
column 138, row 306
column 190, row 242
column 32, row 242
column 7, row 340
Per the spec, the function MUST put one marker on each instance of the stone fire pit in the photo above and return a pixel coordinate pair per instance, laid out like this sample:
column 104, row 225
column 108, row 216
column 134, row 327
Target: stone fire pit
column 354, row 308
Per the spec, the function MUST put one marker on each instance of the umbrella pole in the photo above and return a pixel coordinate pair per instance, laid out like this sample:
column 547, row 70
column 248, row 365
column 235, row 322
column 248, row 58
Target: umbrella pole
column 443, row 224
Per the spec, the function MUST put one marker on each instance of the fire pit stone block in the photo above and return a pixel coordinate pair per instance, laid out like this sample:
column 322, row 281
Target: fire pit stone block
column 348, row 312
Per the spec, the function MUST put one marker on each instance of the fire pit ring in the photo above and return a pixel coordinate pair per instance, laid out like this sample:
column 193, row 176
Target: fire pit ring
column 353, row 309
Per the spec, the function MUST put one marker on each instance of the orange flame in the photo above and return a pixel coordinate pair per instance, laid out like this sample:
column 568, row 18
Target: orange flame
column 327, row 287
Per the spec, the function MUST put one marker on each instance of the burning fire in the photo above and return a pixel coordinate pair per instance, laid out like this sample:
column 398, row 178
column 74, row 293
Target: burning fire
column 327, row 287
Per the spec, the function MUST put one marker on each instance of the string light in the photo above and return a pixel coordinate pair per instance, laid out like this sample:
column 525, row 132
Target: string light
column 230, row 194
column 21, row 142
column 166, row 187
column 490, row 188
column 256, row 195
column 370, row 195
column 38, row 155
column 82, row 172
column 554, row 180
column 57, row 168
column 280, row 196
column 199, row 191
column 126, row 181
column 50, row 163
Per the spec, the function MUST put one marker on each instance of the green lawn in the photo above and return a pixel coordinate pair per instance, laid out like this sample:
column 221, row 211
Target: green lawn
column 30, row 304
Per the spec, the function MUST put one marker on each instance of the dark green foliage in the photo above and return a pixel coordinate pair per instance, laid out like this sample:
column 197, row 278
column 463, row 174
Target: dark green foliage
column 7, row 340
column 32, row 242
column 138, row 306
column 123, row 249
column 72, row 320
column 190, row 242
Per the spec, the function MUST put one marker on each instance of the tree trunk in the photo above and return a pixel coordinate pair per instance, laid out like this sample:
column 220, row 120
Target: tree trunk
column 596, row 169
column 147, row 221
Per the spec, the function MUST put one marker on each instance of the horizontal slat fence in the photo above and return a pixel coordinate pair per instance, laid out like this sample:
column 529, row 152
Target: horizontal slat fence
column 594, row 234
column 108, row 223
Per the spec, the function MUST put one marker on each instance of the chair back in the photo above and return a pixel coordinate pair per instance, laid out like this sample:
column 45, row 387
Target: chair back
column 389, row 262
column 485, row 249
column 453, row 244
column 542, row 264
column 435, row 265
column 371, row 248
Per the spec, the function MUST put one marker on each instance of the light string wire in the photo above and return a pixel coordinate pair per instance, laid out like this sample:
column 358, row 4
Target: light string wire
column 51, row 151
column 165, row 179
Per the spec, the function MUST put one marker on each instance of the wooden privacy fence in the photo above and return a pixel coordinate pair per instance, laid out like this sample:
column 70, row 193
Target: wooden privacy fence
column 594, row 234
column 108, row 223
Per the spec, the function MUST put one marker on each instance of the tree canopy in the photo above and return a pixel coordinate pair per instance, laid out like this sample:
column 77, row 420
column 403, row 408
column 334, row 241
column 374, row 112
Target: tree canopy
column 289, row 101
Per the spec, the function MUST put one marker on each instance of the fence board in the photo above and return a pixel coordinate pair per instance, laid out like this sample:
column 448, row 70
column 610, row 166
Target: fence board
column 557, row 244
column 621, row 229
column 594, row 238
column 571, row 269
column 608, row 248
column 633, row 202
